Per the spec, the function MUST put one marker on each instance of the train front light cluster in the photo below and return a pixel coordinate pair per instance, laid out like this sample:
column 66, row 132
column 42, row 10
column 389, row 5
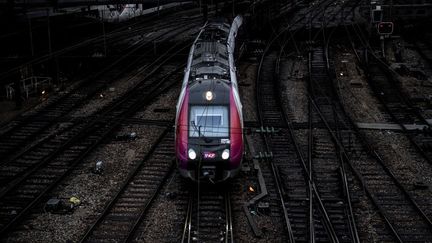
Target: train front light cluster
column 209, row 95
column 225, row 154
column 192, row 154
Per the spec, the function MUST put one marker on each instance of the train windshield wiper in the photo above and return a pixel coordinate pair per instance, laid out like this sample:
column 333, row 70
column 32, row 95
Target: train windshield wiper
column 198, row 129
column 200, row 135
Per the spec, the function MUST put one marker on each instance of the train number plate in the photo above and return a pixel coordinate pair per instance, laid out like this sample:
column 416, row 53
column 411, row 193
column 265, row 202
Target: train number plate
column 209, row 155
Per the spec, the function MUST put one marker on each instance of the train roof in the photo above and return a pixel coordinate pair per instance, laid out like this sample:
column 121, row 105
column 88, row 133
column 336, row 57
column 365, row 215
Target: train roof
column 210, row 55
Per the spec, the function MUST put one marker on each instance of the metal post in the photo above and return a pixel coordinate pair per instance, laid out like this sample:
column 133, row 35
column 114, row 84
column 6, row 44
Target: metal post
column 391, row 9
column 17, row 89
column 382, row 46
column 53, row 59
column 104, row 36
column 233, row 8
column 31, row 36
column 49, row 32
column 57, row 67
column 205, row 15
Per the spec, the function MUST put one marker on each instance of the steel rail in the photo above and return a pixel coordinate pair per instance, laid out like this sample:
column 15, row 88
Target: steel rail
column 191, row 231
column 229, row 236
column 278, row 186
column 310, row 162
column 327, row 222
column 186, row 236
column 350, row 213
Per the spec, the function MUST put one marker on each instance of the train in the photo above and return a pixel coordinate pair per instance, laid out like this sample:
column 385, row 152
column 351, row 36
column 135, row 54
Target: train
column 209, row 142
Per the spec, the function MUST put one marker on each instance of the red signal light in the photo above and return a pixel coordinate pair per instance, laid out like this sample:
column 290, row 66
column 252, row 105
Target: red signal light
column 385, row 28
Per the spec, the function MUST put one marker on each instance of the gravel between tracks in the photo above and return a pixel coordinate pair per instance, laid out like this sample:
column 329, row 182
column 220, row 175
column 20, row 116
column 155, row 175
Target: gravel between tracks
column 165, row 106
column 369, row 222
column 293, row 74
column 93, row 190
column 96, row 190
column 119, row 87
column 401, row 157
column 246, row 82
column 354, row 90
column 164, row 220
column 415, row 76
column 31, row 106
column 397, row 152
column 396, row 149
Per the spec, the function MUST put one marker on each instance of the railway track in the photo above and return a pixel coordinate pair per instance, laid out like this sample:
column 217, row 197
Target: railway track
column 49, row 147
column 295, row 191
column 284, row 155
column 304, row 213
column 405, row 216
column 208, row 216
column 403, row 209
column 38, row 127
column 424, row 48
column 123, row 214
column 328, row 171
column 40, row 176
column 399, row 109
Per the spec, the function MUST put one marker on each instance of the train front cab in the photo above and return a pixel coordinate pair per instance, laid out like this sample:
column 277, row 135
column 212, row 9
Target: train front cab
column 209, row 133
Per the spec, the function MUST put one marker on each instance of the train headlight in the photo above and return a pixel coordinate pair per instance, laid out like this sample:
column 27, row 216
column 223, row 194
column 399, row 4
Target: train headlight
column 225, row 154
column 209, row 95
column 192, row 154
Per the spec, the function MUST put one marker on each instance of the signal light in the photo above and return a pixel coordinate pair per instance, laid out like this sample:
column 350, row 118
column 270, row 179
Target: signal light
column 385, row 28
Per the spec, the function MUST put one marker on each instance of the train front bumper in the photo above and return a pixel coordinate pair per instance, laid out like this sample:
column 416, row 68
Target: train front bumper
column 209, row 173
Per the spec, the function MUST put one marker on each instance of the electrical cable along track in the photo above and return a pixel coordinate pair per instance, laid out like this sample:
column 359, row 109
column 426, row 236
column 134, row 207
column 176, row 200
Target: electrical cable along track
column 208, row 216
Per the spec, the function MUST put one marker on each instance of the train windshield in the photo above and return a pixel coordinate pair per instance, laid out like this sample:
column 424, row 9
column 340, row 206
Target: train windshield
column 209, row 121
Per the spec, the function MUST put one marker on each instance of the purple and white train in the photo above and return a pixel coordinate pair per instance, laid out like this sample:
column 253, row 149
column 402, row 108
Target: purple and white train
column 209, row 121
